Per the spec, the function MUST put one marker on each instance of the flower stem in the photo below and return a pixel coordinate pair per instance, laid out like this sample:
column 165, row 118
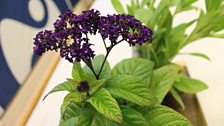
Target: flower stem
column 107, row 54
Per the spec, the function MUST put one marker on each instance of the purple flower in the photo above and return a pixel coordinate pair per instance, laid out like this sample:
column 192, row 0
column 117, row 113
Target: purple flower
column 83, row 86
column 77, row 27
column 44, row 41
column 78, row 50
column 129, row 28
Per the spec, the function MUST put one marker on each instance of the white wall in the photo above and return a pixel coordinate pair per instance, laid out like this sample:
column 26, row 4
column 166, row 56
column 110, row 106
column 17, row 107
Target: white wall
column 47, row 113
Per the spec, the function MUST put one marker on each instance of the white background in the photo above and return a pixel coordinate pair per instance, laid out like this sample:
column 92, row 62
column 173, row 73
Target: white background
column 47, row 113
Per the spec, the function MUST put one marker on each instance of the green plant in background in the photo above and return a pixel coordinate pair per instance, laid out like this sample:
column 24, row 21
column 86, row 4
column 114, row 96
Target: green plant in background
column 99, row 95
column 168, row 40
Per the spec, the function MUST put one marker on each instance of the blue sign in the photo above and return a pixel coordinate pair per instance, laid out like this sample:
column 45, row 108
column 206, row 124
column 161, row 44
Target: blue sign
column 19, row 11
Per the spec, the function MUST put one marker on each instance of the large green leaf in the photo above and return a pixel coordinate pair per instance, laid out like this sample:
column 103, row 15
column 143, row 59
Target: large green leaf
column 136, row 67
column 77, row 72
column 106, row 105
column 65, row 86
column 117, row 6
column 97, row 63
column 163, row 79
column 189, row 85
column 164, row 116
column 133, row 118
column 131, row 89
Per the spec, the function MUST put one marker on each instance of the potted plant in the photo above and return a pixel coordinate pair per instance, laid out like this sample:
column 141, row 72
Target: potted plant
column 128, row 94
column 168, row 40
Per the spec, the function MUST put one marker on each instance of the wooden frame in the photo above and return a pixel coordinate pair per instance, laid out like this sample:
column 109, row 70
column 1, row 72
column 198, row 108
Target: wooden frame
column 22, row 105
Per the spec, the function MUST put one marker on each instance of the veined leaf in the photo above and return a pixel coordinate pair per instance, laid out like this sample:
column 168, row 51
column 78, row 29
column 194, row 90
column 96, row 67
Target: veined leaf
column 189, row 85
column 177, row 97
column 71, row 110
column 163, row 79
column 95, row 85
column 131, row 89
column 97, row 63
column 100, row 120
column 77, row 72
column 136, row 67
column 117, row 6
column 164, row 116
column 198, row 54
column 65, row 86
column 106, row 105
column 133, row 118
column 69, row 99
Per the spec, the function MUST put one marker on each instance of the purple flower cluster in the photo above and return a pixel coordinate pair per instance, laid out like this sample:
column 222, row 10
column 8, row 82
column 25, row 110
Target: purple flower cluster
column 129, row 28
column 77, row 27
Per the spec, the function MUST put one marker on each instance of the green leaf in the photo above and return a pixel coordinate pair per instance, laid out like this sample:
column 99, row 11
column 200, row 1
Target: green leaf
column 176, row 38
column 100, row 120
column 198, row 55
column 65, row 86
column 212, row 5
column 184, row 5
column 163, row 79
column 136, row 67
column 69, row 122
column 69, row 99
column 97, row 63
column 95, row 85
column 131, row 89
column 77, row 72
column 87, row 115
column 189, row 85
column 164, row 116
column 106, row 105
column 118, row 7
column 217, row 35
column 130, row 10
column 133, row 118
column 71, row 110
column 177, row 97
column 144, row 15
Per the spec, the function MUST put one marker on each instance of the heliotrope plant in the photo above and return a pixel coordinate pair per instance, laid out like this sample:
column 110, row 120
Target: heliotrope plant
column 99, row 95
